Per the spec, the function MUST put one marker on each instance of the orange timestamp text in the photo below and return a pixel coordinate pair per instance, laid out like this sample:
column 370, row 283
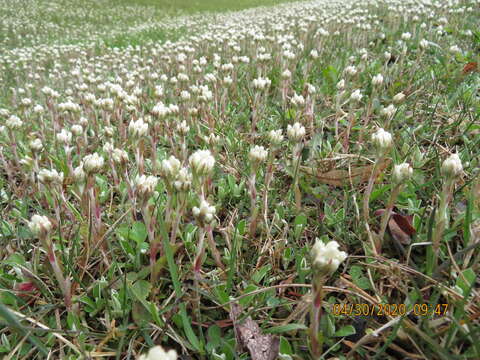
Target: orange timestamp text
column 389, row 309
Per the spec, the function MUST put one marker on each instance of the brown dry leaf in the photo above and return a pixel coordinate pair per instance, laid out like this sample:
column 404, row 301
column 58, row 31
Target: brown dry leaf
column 340, row 178
column 470, row 67
column 249, row 336
column 405, row 223
column 400, row 226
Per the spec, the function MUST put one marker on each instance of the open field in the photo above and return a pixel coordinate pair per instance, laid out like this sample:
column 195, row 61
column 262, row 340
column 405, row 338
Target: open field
column 293, row 181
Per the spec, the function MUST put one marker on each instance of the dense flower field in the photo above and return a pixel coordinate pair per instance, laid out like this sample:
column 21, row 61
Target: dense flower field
column 294, row 182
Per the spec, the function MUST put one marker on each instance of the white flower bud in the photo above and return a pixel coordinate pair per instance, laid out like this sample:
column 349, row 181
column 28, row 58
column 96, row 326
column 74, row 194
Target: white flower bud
column 204, row 213
column 92, row 163
column 297, row 100
column 145, row 185
column 138, row 128
column 257, row 154
column 275, row 136
column 120, row 156
column 183, row 128
column 64, row 137
column 402, row 173
column 46, row 176
column 382, row 140
column 14, row 122
column 183, row 180
column 77, row 130
column 356, row 96
column 389, row 111
column 326, row 257
column 36, row 145
column 78, row 173
column 296, row 132
column 157, row 353
column 201, row 162
column 377, row 80
column 452, row 166
column 170, row 167
column 398, row 98
column 40, row 225
column 341, row 84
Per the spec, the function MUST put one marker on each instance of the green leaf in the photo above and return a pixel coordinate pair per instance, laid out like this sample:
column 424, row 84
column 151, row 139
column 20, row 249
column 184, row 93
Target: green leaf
column 466, row 284
column 138, row 232
column 141, row 289
column 285, row 328
column 285, row 347
column 345, row 331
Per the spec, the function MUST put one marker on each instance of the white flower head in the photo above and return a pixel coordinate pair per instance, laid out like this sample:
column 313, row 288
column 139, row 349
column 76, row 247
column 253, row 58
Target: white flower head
column 204, row 213
column 92, row 163
column 158, row 353
column 64, row 137
column 257, row 154
column 377, row 80
column 170, row 167
column 120, row 156
column 145, row 185
column 326, row 257
column 356, row 95
column 138, row 128
column 452, row 166
column 296, row 132
column 398, row 98
column 382, row 140
column 402, row 173
column 183, row 128
column 275, row 136
column 389, row 111
column 201, row 162
column 40, row 225
column 46, row 176
column 183, row 181
column 14, row 122
column 298, row 100
column 36, row 145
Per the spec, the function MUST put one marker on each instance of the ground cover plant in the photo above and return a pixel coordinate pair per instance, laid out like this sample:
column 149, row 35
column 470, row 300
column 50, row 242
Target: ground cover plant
column 298, row 181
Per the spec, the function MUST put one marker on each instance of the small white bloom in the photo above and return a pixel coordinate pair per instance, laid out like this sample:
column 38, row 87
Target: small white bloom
column 389, row 111
column 64, row 137
column 14, row 122
column 275, row 136
column 377, row 80
column 138, row 128
column 157, row 353
column 356, row 96
column 257, row 154
column 120, row 156
column 402, row 173
column 40, row 225
column 202, row 162
column 183, row 180
column 326, row 257
column 205, row 212
column 298, row 100
column 170, row 167
column 46, row 176
column 36, row 145
column 77, row 130
column 296, row 132
column 398, row 98
column 145, row 185
column 452, row 166
column 382, row 140
column 92, row 163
